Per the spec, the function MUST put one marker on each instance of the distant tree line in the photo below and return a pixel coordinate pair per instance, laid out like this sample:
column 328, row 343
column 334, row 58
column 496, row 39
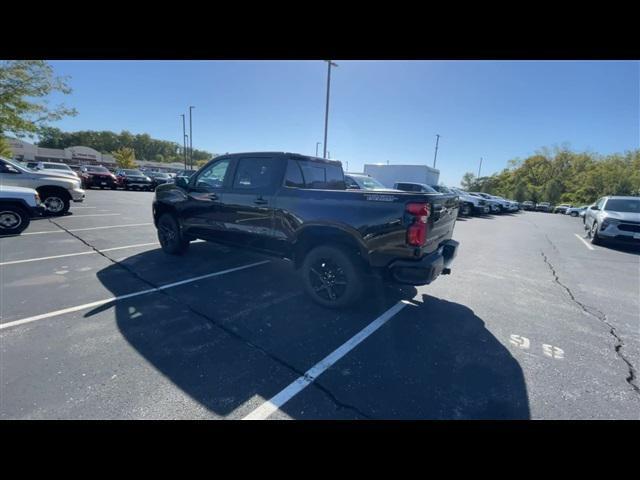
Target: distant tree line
column 562, row 176
column 145, row 147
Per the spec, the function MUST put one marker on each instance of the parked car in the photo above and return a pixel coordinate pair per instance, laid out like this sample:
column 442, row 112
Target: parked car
column 471, row 204
column 131, row 179
column 528, row 205
column 576, row 211
column 543, row 207
column 359, row 181
column 56, row 190
column 614, row 219
column 562, row 208
column 414, row 187
column 299, row 208
column 18, row 205
column 185, row 173
column 97, row 176
column 494, row 206
column 58, row 167
column 159, row 178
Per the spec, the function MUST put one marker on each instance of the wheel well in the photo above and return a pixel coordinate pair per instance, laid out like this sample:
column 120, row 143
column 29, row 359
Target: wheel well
column 43, row 191
column 312, row 237
column 13, row 203
column 160, row 209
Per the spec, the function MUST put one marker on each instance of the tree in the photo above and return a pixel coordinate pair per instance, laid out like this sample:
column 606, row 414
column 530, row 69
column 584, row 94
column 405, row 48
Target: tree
column 5, row 148
column 468, row 180
column 24, row 86
column 125, row 157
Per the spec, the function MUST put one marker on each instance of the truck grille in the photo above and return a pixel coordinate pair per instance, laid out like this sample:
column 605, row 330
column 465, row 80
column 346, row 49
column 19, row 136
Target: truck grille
column 629, row 227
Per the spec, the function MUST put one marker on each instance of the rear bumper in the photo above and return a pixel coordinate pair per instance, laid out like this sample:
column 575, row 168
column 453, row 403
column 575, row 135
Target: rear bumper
column 428, row 268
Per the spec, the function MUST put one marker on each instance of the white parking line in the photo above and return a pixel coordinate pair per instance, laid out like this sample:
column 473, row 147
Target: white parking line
column 584, row 241
column 270, row 406
column 75, row 208
column 85, row 306
column 90, row 215
column 13, row 262
column 92, row 228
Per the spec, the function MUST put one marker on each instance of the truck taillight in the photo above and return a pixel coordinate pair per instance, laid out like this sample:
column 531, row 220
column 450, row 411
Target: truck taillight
column 417, row 231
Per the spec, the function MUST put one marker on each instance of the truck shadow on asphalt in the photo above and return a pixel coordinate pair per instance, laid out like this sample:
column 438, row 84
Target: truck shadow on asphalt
column 237, row 341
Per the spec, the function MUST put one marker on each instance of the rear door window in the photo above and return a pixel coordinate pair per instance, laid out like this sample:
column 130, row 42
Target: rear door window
column 293, row 176
column 256, row 174
column 322, row 176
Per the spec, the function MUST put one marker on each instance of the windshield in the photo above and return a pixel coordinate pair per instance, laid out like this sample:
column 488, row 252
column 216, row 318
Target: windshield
column 56, row 166
column 97, row 170
column 631, row 205
column 134, row 173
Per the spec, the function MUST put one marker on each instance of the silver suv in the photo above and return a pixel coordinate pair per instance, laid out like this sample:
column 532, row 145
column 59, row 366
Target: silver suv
column 56, row 189
column 614, row 219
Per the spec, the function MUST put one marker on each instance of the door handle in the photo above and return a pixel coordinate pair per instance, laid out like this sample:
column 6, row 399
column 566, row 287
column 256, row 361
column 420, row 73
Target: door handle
column 260, row 201
column 211, row 196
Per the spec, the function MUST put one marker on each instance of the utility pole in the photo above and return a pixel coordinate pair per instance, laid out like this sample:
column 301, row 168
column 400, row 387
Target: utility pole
column 184, row 142
column 436, row 154
column 190, row 139
column 326, row 111
column 317, row 143
column 479, row 167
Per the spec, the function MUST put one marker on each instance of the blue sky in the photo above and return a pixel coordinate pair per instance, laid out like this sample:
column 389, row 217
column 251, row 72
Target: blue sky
column 380, row 110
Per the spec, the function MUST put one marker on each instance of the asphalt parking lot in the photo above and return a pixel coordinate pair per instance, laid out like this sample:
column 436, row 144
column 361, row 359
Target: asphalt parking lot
column 96, row 322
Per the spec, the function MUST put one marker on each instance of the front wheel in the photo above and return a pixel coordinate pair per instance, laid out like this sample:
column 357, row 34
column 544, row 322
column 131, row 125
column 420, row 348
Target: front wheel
column 593, row 234
column 574, row 214
column 332, row 277
column 465, row 209
column 13, row 220
column 170, row 236
column 55, row 203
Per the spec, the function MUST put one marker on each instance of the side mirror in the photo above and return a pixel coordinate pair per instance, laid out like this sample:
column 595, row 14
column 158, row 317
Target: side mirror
column 594, row 207
column 181, row 182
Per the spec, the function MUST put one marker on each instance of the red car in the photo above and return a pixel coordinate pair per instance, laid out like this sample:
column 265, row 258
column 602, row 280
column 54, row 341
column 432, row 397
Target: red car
column 97, row 176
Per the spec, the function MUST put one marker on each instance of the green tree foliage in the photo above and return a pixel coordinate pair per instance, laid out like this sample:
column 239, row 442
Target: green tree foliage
column 24, row 86
column 5, row 148
column 145, row 147
column 563, row 176
column 125, row 157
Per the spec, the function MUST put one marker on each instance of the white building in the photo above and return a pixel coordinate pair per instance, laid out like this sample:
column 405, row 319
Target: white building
column 26, row 152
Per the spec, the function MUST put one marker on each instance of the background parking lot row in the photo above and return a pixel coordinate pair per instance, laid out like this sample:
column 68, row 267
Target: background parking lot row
column 483, row 342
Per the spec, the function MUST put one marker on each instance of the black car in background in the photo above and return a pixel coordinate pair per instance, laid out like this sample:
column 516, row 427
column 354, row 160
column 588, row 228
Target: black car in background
column 544, row 207
column 528, row 205
column 131, row 179
column 97, row 176
column 159, row 178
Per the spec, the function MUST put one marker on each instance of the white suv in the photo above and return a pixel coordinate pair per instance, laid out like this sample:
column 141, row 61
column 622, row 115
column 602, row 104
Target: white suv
column 17, row 207
column 56, row 190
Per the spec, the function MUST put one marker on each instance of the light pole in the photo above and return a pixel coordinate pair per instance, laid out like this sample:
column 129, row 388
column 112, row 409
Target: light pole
column 190, row 139
column 326, row 111
column 317, row 143
column 436, row 154
column 479, row 167
column 184, row 142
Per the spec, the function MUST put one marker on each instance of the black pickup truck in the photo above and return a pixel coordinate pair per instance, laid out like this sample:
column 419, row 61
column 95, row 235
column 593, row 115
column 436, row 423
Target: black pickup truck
column 297, row 207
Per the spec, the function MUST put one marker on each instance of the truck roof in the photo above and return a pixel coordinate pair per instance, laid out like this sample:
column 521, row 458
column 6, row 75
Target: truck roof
column 297, row 156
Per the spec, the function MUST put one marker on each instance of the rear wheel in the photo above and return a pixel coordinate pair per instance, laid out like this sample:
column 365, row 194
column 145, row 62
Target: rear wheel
column 574, row 214
column 332, row 277
column 465, row 209
column 170, row 235
column 13, row 220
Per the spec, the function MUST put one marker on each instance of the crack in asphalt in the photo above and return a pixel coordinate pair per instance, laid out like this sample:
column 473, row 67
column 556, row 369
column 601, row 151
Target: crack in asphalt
column 314, row 382
column 602, row 317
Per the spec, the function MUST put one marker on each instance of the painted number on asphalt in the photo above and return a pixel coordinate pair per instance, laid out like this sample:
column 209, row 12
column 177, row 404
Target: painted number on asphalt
column 518, row 341
column 553, row 352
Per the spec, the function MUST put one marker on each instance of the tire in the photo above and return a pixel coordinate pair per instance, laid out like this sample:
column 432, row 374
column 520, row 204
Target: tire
column 170, row 235
column 13, row 220
column 465, row 209
column 56, row 202
column 593, row 234
column 574, row 214
column 331, row 277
